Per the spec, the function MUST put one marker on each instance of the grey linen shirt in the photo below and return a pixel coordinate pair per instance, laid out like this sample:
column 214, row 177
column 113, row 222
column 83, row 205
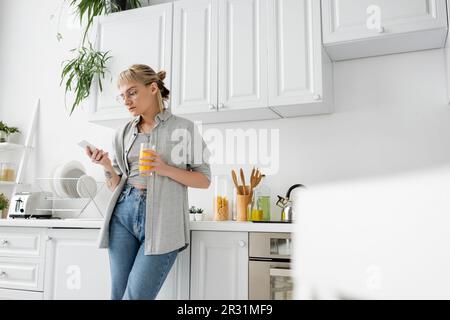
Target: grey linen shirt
column 179, row 144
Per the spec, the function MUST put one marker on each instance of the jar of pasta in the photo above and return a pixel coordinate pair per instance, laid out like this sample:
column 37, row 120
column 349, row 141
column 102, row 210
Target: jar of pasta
column 223, row 197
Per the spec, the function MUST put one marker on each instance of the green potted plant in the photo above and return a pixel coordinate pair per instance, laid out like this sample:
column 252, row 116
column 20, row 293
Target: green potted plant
column 192, row 212
column 80, row 71
column 3, row 205
column 199, row 214
column 5, row 131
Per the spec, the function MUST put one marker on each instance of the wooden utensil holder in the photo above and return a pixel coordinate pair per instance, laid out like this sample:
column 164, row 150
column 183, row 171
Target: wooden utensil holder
column 242, row 202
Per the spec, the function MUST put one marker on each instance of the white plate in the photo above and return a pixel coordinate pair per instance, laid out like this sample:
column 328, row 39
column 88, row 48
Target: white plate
column 70, row 186
column 52, row 182
column 56, row 182
column 65, row 187
column 86, row 186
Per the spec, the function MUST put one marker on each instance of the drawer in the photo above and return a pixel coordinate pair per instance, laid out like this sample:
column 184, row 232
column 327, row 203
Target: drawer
column 21, row 242
column 8, row 294
column 22, row 273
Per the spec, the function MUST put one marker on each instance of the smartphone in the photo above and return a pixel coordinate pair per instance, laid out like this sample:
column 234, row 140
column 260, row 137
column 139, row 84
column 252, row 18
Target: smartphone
column 85, row 144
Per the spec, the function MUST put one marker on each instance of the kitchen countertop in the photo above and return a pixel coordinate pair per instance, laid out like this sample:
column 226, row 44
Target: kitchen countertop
column 240, row 226
column 53, row 223
column 195, row 225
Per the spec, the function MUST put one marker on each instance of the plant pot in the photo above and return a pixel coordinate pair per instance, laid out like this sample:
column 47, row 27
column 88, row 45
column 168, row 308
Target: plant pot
column 4, row 213
column 14, row 138
column 3, row 136
column 198, row 216
column 191, row 216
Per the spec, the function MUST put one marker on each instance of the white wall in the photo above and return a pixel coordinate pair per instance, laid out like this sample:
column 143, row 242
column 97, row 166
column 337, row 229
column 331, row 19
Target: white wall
column 391, row 122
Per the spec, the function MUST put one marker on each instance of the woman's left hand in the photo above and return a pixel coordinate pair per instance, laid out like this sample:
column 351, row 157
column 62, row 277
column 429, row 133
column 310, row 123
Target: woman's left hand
column 159, row 166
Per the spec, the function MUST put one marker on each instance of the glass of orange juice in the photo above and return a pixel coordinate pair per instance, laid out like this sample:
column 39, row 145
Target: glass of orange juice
column 146, row 150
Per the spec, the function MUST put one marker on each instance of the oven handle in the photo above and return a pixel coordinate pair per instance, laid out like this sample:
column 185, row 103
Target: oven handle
column 280, row 272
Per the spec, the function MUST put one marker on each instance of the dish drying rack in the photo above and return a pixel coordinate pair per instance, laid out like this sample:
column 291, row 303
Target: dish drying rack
column 81, row 203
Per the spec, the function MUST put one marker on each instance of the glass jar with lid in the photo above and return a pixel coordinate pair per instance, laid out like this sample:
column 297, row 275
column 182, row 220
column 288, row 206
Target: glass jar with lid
column 223, row 198
column 7, row 172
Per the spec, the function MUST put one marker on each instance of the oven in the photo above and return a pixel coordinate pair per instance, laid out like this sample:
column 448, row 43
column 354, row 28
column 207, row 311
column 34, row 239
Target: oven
column 270, row 275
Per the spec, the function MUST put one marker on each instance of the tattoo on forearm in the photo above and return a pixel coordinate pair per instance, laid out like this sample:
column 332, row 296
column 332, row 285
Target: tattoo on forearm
column 108, row 175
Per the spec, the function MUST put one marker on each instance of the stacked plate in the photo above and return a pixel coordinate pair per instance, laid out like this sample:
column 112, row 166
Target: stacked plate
column 70, row 181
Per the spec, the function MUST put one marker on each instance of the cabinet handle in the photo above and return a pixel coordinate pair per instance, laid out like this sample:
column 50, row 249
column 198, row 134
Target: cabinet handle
column 381, row 30
column 4, row 242
column 212, row 106
column 242, row 243
column 48, row 238
column 2, row 274
column 221, row 106
column 316, row 97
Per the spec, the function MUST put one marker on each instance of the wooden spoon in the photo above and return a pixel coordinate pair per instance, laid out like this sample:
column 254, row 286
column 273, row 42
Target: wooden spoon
column 243, row 182
column 258, row 177
column 252, row 181
column 233, row 175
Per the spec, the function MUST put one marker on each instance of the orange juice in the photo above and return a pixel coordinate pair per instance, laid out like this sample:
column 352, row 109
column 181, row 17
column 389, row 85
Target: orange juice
column 145, row 151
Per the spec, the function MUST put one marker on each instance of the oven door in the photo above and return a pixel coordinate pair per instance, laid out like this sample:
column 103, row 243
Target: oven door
column 270, row 280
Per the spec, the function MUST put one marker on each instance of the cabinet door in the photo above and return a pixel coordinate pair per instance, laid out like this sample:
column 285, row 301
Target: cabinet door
column 242, row 54
column 219, row 265
column 194, row 88
column 176, row 286
column 140, row 36
column 75, row 267
column 295, row 52
column 347, row 20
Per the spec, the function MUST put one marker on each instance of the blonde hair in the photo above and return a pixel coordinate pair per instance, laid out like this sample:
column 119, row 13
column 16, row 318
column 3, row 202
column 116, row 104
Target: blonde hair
column 146, row 75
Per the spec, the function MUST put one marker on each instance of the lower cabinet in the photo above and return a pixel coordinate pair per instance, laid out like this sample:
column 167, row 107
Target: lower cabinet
column 75, row 267
column 66, row 264
column 219, row 265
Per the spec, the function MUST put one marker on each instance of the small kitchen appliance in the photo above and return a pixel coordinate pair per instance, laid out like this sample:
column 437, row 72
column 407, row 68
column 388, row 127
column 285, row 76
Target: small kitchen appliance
column 30, row 205
column 286, row 205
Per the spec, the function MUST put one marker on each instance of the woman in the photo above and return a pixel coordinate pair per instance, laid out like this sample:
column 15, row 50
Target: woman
column 147, row 221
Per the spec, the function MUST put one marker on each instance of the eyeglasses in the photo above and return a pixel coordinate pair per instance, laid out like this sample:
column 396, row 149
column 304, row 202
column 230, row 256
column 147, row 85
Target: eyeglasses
column 132, row 94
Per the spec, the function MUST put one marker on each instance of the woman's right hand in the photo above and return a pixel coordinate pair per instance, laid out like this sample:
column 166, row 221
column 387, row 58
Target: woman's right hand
column 99, row 156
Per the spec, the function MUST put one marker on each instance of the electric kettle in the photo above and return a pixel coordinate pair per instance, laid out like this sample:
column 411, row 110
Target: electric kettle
column 285, row 203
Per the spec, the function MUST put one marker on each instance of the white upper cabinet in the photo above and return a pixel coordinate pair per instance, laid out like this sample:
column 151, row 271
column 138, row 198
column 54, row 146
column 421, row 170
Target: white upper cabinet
column 225, row 50
column 194, row 85
column 300, row 74
column 143, row 36
column 242, row 54
column 220, row 60
column 361, row 28
column 226, row 60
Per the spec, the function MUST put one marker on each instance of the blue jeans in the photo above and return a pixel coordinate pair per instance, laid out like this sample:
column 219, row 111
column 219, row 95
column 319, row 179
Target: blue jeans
column 134, row 275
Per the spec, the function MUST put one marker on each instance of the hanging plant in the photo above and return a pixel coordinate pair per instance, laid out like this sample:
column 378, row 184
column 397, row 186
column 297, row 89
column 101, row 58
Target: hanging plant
column 93, row 8
column 81, row 70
